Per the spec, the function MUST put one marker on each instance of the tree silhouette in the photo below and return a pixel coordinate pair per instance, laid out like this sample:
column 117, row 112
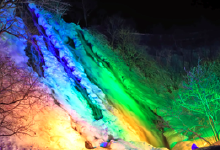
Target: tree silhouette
column 86, row 7
column 21, row 97
column 10, row 23
column 197, row 107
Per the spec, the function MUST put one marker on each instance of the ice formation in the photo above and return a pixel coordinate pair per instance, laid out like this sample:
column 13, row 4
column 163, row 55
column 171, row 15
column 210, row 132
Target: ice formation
column 90, row 91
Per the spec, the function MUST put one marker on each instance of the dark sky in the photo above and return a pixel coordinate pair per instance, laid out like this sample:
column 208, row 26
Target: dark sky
column 149, row 14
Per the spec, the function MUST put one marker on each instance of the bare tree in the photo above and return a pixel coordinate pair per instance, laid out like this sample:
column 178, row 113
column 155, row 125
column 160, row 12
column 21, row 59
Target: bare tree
column 198, row 101
column 126, row 39
column 16, row 20
column 113, row 25
column 10, row 23
column 21, row 97
column 7, row 18
column 87, row 7
column 76, row 16
column 57, row 7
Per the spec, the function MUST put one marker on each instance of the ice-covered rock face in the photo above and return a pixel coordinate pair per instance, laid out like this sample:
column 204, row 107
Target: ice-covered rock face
column 86, row 87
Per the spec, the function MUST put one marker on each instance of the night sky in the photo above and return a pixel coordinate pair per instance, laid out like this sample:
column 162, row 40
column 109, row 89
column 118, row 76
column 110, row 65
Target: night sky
column 152, row 15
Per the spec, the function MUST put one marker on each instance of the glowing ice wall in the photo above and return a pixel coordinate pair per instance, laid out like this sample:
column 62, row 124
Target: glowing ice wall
column 88, row 87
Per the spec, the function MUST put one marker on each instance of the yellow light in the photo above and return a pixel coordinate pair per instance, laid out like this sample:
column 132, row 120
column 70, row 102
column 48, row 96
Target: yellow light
column 53, row 132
